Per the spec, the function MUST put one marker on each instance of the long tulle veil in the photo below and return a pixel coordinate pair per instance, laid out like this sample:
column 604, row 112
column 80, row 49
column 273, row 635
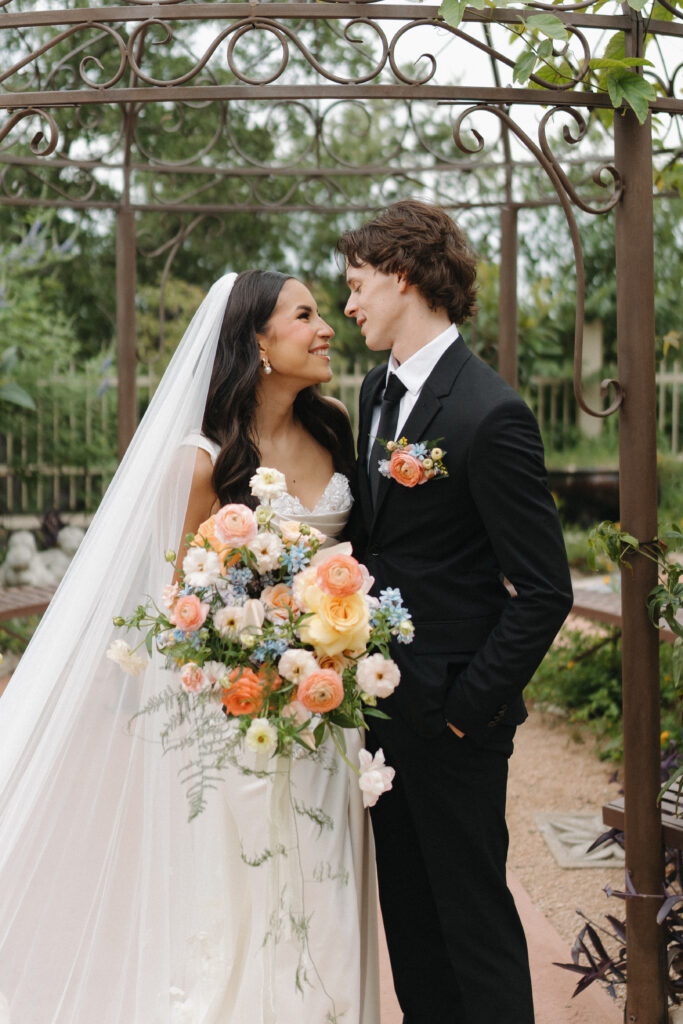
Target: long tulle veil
column 107, row 895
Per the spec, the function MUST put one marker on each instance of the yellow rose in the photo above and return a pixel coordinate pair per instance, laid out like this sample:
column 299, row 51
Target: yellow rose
column 339, row 624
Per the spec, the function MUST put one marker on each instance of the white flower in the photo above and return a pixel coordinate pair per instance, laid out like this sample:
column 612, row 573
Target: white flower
column 217, row 673
column 300, row 584
column 406, row 629
column 261, row 736
column 267, row 547
column 375, row 776
column 378, row 676
column 384, row 466
column 132, row 663
column 229, row 621
column 254, row 613
column 264, row 514
column 296, row 664
column 169, row 594
column 201, row 567
column 267, row 484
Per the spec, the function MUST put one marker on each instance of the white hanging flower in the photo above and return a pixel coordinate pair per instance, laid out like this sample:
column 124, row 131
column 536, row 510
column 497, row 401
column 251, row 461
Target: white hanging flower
column 267, row 547
column 201, row 567
column 261, row 736
column 229, row 621
column 375, row 776
column 267, row 484
column 295, row 664
column 378, row 676
column 131, row 663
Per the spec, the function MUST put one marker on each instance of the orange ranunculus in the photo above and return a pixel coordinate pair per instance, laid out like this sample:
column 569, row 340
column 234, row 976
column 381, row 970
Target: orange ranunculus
column 247, row 690
column 244, row 695
column 278, row 601
column 189, row 613
column 339, row 575
column 321, row 691
column 405, row 469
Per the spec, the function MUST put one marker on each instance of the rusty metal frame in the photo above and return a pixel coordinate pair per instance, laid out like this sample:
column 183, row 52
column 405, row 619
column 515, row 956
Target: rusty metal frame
column 627, row 188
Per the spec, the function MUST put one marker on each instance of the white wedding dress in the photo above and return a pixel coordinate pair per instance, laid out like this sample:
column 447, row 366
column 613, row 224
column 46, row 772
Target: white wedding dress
column 113, row 908
column 298, row 941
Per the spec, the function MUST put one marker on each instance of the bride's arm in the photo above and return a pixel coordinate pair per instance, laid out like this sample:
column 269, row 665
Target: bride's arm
column 202, row 502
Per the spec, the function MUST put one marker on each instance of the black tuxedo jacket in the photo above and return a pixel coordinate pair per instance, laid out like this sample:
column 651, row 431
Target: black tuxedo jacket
column 449, row 543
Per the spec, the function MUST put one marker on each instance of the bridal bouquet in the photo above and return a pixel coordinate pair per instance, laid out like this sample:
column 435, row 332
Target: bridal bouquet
column 274, row 640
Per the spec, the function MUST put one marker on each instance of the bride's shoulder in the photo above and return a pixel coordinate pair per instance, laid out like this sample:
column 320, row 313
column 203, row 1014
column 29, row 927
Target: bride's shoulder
column 205, row 444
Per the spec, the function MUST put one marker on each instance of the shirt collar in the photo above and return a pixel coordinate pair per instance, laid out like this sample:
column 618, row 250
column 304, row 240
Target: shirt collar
column 414, row 372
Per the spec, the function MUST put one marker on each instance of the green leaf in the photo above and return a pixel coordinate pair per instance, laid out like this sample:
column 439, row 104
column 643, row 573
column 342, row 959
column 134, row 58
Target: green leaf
column 620, row 62
column 616, row 93
column 15, row 395
column 524, row 65
column 544, row 48
column 547, row 25
column 452, row 11
column 677, row 660
column 636, row 5
column 635, row 90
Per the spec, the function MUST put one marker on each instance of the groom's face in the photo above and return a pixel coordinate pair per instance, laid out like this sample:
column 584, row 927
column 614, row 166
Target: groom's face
column 375, row 304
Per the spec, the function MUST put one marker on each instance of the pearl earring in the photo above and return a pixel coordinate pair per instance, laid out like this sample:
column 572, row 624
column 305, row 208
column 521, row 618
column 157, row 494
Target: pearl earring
column 267, row 368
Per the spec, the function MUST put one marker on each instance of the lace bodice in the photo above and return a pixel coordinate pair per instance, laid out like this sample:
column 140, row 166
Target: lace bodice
column 331, row 511
column 335, row 498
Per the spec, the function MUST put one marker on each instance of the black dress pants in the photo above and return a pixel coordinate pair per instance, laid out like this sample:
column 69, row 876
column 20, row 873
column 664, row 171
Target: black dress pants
column 456, row 944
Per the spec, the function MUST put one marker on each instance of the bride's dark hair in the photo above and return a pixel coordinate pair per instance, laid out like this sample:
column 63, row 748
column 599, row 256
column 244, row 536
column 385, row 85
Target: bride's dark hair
column 229, row 416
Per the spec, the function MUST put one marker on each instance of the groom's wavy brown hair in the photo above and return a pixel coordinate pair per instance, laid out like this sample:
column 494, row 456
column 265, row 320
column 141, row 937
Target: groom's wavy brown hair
column 423, row 244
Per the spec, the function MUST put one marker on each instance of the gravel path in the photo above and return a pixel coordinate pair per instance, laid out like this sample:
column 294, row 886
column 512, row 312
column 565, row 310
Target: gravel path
column 555, row 768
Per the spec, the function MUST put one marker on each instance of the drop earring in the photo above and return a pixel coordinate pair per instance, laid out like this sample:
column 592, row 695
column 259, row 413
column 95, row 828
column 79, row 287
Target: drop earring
column 267, row 368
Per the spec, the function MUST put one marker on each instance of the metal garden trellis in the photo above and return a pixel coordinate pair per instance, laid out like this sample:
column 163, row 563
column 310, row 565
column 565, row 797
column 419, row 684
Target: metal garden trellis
column 107, row 60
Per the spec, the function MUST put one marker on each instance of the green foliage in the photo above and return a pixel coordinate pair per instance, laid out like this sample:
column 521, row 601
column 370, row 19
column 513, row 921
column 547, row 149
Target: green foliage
column 611, row 73
column 581, row 674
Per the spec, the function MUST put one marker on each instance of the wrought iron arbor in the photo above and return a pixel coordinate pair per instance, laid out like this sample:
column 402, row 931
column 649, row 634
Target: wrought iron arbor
column 78, row 80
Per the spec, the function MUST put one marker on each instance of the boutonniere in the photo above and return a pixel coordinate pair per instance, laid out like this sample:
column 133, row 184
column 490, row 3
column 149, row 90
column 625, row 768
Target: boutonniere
column 410, row 464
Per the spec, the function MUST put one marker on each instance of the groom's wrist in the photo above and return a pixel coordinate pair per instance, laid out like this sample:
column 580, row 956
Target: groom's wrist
column 456, row 731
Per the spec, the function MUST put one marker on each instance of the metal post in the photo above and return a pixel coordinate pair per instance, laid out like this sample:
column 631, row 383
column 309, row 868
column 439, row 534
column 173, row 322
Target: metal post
column 646, row 993
column 125, row 327
column 507, row 298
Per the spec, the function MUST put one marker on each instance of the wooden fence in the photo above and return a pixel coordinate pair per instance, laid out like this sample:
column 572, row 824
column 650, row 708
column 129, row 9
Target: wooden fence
column 64, row 455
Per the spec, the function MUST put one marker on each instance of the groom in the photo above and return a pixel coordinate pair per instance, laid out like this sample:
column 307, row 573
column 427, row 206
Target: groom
column 450, row 544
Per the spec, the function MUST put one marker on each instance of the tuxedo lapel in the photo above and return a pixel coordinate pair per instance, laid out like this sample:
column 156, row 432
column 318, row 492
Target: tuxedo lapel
column 369, row 397
column 438, row 385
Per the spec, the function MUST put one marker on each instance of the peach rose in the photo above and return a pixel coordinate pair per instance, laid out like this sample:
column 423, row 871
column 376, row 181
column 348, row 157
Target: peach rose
column 278, row 601
column 189, row 613
column 321, row 691
column 405, row 469
column 244, row 695
column 235, row 525
column 339, row 576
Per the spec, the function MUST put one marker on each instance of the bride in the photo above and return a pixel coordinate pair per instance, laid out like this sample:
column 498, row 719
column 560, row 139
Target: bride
column 113, row 909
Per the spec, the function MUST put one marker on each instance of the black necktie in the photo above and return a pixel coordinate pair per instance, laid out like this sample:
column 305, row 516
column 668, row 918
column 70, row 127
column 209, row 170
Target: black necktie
column 386, row 429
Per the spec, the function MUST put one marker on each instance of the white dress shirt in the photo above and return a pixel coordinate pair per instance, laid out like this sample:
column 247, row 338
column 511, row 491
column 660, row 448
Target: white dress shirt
column 413, row 373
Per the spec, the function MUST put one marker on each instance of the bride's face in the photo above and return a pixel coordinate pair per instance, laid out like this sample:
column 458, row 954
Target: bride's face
column 296, row 340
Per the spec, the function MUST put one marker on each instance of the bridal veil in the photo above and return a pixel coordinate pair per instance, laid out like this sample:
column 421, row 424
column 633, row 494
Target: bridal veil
column 109, row 900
